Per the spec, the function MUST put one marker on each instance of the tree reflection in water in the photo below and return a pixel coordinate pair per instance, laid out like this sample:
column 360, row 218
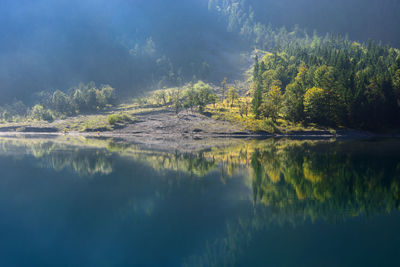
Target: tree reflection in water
column 295, row 181
column 291, row 181
column 320, row 178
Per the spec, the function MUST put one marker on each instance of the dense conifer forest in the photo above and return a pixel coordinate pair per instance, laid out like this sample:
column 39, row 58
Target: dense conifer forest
column 329, row 81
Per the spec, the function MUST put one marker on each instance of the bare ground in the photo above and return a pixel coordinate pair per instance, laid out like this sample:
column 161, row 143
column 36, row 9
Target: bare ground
column 159, row 129
column 184, row 131
column 165, row 130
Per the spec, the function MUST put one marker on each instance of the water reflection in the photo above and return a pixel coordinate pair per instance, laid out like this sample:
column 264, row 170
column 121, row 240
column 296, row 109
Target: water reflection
column 61, row 155
column 307, row 180
column 317, row 178
column 289, row 183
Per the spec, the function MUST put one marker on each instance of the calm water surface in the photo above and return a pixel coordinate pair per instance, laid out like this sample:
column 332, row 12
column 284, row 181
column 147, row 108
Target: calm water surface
column 90, row 202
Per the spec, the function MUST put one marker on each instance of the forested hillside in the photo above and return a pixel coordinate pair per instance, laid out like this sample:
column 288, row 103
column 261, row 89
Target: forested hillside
column 303, row 77
column 360, row 19
column 330, row 81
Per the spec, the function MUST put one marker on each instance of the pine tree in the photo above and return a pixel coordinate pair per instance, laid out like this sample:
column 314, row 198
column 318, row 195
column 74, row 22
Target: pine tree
column 257, row 100
column 256, row 69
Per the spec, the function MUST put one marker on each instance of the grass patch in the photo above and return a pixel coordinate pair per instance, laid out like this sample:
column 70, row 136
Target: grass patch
column 114, row 119
column 223, row 111
column 96, row 124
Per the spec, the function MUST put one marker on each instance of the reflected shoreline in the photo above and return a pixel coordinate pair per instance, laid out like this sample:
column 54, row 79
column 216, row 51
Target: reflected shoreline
column 278, row 184
column 342, row 176
column 196, row 141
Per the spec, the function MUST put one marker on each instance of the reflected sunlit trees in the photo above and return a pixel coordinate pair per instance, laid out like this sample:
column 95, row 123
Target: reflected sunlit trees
column 329, row 179
column 291, row 181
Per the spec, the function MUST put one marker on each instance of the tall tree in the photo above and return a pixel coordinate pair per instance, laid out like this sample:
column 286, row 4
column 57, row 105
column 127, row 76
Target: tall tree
column 272, row 101
column 223, row 89
column 257, row 100
column 232, row 95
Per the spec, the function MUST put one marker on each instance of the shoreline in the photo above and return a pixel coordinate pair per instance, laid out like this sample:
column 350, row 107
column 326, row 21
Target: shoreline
column 187, row 131
column 321, row 134
column 182, row 144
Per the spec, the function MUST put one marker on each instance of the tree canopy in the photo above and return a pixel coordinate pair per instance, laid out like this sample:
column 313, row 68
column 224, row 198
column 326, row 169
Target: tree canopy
column 331, row 81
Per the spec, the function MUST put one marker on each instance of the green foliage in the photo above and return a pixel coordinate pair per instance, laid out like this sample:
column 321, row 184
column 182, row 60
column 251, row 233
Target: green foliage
column 242, row 110
column 38, row 112
column 176, row 100
column 293, row 103
column 223, row 89
column 268, row 125
column 198, row 95
column 317, row 175
column 190, row 97
column 60, row 102
column 257, row 100
column 82, row 99
column 272, row 103
column 204, row 95
column 240, row 18
column 161, row 97
column 315, row 104
column 114, row 119
column 360, row 83
column 13, row 112
column 233, row 95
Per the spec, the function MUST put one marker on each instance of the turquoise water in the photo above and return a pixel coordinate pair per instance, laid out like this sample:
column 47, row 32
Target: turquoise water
column 256, row 203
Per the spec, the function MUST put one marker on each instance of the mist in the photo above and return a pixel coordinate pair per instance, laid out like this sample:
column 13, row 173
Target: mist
column 136, row 45
column 361, row 20
column 49, row 45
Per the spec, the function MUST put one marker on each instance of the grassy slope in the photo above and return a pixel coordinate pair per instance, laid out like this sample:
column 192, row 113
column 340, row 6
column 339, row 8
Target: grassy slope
column 87, row 123
column 223, row 111
column 126, row 113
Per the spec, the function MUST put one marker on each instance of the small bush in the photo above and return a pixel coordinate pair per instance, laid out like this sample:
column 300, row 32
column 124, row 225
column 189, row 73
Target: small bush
column 118, row 118
column 269, row 126
column 40, row 113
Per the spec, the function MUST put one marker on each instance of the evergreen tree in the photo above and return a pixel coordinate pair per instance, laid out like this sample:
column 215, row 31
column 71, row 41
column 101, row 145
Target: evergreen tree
column 257, row 100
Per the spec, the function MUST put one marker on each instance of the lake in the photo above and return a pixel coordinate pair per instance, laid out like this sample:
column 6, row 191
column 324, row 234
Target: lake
column 94, row 202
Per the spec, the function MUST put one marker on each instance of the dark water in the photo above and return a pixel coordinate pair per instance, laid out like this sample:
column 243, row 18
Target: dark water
column 257, row 203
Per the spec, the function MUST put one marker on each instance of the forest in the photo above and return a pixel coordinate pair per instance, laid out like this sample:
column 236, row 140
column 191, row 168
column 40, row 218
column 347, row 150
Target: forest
column 329, row 81
column 83, row 99
column 290, row 77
